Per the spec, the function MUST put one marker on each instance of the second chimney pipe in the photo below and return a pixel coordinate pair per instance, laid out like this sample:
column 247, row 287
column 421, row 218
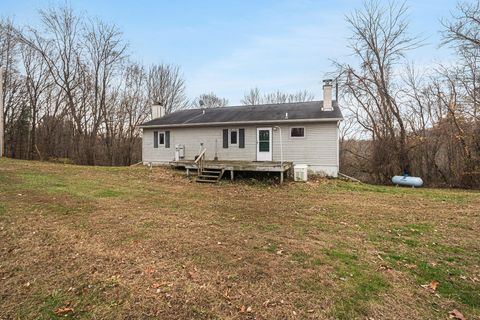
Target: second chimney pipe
column 158, row 111
column 327, row 95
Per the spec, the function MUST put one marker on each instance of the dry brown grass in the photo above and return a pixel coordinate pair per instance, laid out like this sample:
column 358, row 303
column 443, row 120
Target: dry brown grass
column 82, row 242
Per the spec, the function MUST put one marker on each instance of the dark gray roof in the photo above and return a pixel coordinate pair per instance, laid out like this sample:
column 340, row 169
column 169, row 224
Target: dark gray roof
column 309, row 111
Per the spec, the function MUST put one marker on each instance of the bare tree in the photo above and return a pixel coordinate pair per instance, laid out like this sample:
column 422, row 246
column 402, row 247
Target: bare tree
column 463, row 106
column 58, row 44
column 135, row 108
column 105, row 50
column 36, row 83
column 209, row 100
column 280, row 97
column 67, row 90
column 15, row 115
column 463, row 29
column 379, row 41
column 254, row 97
column 167, row 87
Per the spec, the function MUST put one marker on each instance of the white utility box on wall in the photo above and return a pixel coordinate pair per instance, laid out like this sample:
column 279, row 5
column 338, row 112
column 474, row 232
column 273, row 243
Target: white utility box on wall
column 179, row 152
column 300, row 172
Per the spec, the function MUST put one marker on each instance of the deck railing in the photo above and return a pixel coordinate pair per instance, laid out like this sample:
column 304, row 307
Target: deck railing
column 200, row 161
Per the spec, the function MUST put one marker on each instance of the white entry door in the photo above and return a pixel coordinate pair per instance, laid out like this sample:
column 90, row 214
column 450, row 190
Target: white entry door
column 264, row 144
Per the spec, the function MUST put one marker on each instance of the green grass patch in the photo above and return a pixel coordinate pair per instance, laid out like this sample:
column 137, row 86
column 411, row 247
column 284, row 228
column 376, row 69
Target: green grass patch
column 451, row 285
column 135, row 236
column 311, row 285
column 149, row 224
column 359, row 284
column 69, row 184
column 51, row 303
column 271, row 247
column 61, row 209
column 108, row 193
column 409, row 234
column 398, row 258
column 300, row 257
column 417, row 228
column 44, row 182
column 268, row 227
column 342, row 256
column 364, row 287
column 440, row 195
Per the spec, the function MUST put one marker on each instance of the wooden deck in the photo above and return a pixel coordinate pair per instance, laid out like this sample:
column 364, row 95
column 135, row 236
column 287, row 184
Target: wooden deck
column 232, row 166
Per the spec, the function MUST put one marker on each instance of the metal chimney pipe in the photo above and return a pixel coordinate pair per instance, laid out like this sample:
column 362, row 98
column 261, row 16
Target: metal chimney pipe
column 158, row 111
column 327, row 95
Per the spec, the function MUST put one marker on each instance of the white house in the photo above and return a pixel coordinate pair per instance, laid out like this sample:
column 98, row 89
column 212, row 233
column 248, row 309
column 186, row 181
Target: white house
column 302, row 133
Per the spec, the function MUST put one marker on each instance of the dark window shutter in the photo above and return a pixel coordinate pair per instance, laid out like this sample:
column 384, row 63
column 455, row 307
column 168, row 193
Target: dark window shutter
column 241, row 138
column 225, row 138
column 167, row 139
column 155, row 139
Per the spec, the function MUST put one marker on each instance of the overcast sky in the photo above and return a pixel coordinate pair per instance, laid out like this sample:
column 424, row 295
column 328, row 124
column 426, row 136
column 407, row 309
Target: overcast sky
column 229, row 47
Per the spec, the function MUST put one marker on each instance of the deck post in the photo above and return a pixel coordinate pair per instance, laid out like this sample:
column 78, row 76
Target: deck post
column 188, row 172
column 281, row 176
column 231, row 175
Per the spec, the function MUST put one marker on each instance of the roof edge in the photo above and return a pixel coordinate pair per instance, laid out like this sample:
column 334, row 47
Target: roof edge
column 213, row 124
column 261, row 105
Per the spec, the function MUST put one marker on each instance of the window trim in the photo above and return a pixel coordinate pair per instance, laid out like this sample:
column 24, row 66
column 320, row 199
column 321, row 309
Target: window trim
column 230, row 136
column 295, row 127
column 159, row 140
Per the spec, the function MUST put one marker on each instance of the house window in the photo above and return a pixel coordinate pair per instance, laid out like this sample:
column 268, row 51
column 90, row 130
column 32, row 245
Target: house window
column 161, row 138
column 233, row 136
column 297, row 132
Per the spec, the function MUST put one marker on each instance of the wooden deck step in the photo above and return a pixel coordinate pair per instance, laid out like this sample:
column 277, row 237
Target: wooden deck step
column 210, row 175
column 203, row 175
column 199, row 180
column 212, row 171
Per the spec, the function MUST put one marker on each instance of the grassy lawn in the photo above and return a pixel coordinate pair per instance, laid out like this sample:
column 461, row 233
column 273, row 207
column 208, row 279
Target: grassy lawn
column 100, row 242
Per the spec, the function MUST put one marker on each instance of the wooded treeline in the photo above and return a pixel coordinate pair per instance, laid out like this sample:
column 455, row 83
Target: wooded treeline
column 425, row 120
column 71, row 91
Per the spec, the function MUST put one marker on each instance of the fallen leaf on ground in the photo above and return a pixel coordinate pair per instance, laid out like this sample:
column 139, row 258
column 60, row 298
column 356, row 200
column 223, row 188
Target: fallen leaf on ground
column 432, row 285
column 455, row 314
column 244, row 309
column 149, row 269
column 226, row 294
column 63, row 310
column 156, row 285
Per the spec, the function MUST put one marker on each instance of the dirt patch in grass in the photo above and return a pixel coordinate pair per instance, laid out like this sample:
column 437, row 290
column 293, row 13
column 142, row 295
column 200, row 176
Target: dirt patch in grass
column 80, row 242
